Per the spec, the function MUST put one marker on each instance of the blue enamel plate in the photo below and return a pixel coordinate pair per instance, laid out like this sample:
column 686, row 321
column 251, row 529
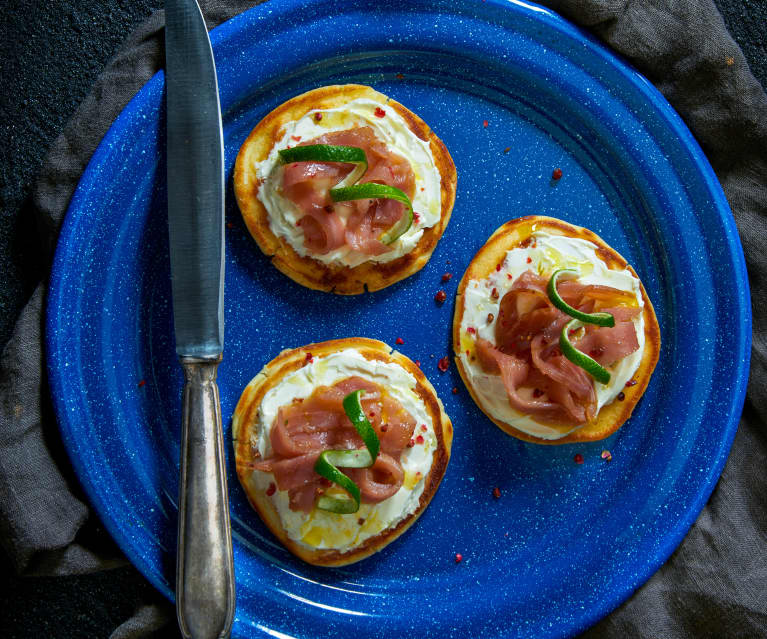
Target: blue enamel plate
column 514, row 91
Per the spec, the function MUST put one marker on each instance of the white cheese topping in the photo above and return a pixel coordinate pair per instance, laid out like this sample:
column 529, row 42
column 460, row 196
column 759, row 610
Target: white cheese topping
column 320, row 529
column 547, row 253
column 390, row 129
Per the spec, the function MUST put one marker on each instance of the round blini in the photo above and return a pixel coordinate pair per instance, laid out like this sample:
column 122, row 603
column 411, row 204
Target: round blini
column 246, row 425
column 313, row 273
column 516, row 233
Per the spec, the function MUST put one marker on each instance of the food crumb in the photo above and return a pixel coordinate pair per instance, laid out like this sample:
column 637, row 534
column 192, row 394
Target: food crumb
column 418, row 363
column 443, row 364
column 507, row 149
column 607, row 455
column 141, row 383
column 455, row 390
column 379, row 112
column 485, row 123
column 399, row 340
column 578, row 459
column 446, row 277
column 556, row 174
column 399, row 76
column 440, row 296
column 497, row 492
column 458, row 558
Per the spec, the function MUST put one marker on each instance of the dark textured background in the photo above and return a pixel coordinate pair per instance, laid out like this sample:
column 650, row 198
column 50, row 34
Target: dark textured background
column 51, row 52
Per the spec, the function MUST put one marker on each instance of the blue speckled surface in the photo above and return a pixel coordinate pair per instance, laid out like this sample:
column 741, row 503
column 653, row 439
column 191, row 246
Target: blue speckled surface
column 565, row 543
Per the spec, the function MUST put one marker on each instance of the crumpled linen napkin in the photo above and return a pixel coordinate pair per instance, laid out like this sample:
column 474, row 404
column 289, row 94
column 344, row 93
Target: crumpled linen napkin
column 713, row 584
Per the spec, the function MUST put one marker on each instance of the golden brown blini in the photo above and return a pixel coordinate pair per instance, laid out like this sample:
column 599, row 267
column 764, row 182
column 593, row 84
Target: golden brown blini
column 541, row 245
column 276, row 223
column 292, row 380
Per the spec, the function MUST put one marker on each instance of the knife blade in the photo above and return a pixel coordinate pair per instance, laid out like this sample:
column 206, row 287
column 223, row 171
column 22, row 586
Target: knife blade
column 205, row 598
column 195, row 183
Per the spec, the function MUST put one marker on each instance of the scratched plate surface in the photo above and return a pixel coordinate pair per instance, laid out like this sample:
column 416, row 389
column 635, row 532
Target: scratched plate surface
column 565, row 543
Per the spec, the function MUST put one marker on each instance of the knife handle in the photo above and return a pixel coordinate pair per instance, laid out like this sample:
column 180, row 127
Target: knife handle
column 204, row 566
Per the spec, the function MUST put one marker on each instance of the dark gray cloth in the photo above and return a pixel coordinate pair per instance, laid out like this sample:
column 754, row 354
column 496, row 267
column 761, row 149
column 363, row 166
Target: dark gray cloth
column 712, row 586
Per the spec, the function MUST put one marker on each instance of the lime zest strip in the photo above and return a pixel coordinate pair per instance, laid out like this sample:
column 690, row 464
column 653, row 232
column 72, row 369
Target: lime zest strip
column 328, row 462
column 329, row 153
column 356, row 413
column 373, row 191
column 579, row 358
column 342, row 505
column 599, row 319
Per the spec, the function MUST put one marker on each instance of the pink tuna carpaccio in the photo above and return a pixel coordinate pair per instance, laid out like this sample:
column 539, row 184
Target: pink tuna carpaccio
column 539, row 380
column 307, row 185
column 304, row 429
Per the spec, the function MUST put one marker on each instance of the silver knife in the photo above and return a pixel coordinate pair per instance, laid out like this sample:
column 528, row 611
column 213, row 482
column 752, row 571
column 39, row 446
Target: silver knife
column 204, row 567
